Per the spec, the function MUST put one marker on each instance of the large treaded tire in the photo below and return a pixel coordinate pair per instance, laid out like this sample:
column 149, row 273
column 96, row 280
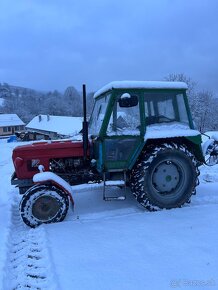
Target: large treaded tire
column 43, row 204
column 165, row 177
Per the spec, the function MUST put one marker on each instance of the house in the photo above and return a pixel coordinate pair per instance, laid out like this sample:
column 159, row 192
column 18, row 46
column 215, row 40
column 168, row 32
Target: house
column 9, row 124
column 55, row 126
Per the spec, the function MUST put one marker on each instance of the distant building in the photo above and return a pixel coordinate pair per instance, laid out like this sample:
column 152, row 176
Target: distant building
column 9, row 124
column 55, row 126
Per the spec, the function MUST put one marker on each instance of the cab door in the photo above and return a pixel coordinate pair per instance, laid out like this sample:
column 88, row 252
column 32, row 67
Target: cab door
column 124, row 134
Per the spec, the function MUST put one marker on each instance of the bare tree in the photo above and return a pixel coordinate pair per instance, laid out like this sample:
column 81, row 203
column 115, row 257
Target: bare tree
column 204, row 111
column 191, row 92
column 73, row 102
column 203, row 105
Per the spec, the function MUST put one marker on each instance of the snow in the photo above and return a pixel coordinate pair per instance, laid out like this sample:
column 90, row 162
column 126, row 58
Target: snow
column 6, row 197
column 215, row 136
column 125, row 96
column 206, row 144
column 137, row 250
column 110, row 245
column 140, row 85
column 58, row 124
column 115, row 182
column 168, row 130
column 211, row 134
column 44, row 176
column 208, row 139
column 10, row 120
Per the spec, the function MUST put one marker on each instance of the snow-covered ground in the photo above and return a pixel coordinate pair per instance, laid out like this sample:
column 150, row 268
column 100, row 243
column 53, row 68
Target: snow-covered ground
column 110, row 245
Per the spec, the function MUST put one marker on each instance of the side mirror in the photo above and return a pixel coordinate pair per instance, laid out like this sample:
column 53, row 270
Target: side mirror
column 127, row 100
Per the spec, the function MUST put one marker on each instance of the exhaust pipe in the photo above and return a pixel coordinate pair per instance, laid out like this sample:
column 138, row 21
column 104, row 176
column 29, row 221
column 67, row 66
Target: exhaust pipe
column 85, row 125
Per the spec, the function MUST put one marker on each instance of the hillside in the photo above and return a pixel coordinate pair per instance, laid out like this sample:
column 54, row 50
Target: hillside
column 28, row 103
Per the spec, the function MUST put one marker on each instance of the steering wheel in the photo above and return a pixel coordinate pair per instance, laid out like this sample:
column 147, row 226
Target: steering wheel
column 157, row 119
column 164, row 117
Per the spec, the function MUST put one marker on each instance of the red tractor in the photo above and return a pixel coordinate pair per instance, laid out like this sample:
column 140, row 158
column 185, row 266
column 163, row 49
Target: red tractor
column 140, row 134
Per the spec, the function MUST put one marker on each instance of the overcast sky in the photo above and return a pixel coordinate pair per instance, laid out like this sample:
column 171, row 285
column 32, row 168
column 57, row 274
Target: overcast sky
column 51, row 44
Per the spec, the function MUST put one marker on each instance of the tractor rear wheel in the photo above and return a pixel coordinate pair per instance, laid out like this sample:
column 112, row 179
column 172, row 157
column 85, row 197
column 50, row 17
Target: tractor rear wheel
column 166, row 177
column 43, row 204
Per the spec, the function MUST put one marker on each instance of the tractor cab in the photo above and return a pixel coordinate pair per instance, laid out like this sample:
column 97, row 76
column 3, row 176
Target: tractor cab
column 115, row 127
column 128, row 114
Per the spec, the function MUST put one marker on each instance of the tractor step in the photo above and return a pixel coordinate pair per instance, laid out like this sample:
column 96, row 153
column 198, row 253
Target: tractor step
column 118, row 183
column 114, row 183
column 111, row 198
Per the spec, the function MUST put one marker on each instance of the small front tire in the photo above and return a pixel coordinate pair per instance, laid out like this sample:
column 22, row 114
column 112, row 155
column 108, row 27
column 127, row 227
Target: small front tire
column 43, row 204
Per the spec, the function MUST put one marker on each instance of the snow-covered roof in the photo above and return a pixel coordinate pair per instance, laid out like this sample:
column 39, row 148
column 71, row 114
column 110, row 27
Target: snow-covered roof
column 10, row 120
column 58, row 124
column 141, row 85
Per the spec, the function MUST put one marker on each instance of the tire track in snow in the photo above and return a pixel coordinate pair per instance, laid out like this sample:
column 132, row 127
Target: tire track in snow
column 28, row 263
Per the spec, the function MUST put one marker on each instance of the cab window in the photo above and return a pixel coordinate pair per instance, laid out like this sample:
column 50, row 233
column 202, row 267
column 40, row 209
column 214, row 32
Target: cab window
column 125, row 118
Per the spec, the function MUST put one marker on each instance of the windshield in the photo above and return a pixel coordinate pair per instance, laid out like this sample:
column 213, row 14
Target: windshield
column 98, row 114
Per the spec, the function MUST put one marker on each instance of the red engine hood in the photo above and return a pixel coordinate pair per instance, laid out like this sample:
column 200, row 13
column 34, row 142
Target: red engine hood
column 43, row 151
column 50, row 148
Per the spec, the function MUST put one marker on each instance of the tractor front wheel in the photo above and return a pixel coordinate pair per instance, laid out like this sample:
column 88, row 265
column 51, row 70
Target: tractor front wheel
column 43, row 204
column 166, row 177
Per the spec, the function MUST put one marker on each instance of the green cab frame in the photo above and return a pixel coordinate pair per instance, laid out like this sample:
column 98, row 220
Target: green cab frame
column 119, row 152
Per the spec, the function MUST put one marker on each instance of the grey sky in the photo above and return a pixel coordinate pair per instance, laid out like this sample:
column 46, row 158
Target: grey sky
column 53, row 44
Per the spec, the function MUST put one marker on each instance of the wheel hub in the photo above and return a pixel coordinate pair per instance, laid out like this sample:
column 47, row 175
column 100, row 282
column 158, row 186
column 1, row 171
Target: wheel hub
column 166, row 177
column 45, row 208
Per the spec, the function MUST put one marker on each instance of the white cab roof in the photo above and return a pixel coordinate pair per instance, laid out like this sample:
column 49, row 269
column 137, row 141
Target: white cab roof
column 141, row 85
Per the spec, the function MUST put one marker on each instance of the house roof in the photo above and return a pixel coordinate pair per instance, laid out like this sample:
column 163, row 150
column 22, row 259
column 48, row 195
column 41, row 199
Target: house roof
column 58, row 124
column 10, row 120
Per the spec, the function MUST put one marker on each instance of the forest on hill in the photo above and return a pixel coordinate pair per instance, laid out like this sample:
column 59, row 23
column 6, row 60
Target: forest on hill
column 28, row 103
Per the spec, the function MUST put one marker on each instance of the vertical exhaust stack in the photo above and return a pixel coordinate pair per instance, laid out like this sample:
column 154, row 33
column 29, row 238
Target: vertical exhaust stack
column 85, row 125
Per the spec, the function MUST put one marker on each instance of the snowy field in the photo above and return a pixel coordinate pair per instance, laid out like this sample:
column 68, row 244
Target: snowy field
column 110, row 245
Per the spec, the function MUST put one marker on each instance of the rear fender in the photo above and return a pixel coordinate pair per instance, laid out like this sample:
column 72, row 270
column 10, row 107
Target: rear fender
column 210, row 150
column 45, row 177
